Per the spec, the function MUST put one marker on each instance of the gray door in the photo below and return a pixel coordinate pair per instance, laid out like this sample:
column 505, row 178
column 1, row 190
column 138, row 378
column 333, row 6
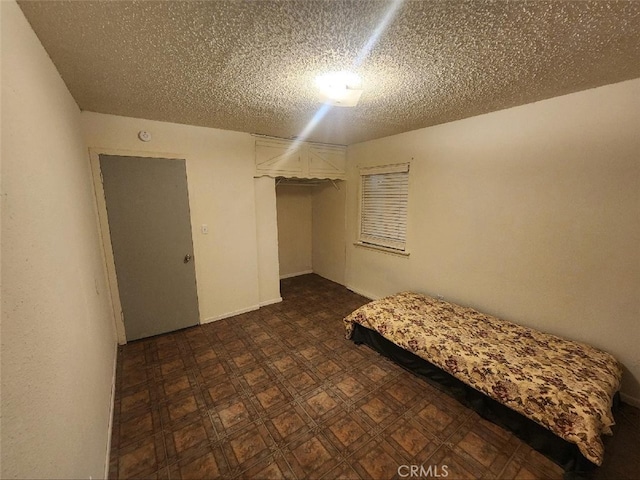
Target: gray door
column 148, row 212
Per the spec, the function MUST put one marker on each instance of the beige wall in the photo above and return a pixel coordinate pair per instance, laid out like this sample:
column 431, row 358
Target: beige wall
column 221, row 194
column 267, row 240
column 328, row 230
column 530, row 213
column 294, row 229
column 58, row 339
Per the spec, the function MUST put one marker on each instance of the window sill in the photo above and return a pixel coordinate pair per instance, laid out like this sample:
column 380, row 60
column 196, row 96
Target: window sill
column 391, row 251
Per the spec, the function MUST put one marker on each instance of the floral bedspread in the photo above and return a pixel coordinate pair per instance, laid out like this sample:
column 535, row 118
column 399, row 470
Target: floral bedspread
column 563, row 385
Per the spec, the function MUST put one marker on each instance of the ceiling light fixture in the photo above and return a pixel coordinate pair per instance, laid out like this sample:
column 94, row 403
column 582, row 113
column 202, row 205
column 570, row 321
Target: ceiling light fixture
column 341, row 89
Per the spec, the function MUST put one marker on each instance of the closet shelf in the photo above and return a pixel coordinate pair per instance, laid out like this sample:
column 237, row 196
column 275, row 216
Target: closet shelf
column 305, row 182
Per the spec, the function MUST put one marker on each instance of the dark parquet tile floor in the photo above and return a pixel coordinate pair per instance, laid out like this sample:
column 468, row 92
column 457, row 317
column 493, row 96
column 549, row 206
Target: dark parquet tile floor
column 280, row 393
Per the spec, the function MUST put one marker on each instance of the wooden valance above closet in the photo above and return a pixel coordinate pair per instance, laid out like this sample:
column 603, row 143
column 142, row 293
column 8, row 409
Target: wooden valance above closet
column 277, row 157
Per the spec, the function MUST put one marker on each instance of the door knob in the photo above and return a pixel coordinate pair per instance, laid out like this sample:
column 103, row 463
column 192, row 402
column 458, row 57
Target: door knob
column 187, row 258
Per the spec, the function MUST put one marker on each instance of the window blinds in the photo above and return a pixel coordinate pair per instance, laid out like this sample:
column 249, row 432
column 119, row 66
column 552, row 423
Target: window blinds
column 383, row 210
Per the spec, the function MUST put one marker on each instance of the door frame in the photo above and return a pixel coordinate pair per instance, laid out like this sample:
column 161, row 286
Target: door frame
column 105, row 232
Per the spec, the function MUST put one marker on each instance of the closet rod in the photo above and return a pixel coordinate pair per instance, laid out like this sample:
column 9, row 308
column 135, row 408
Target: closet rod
column 283, row 181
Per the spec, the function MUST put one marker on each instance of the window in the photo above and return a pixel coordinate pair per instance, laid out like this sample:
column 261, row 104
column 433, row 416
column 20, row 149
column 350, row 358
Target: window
column 384, row 193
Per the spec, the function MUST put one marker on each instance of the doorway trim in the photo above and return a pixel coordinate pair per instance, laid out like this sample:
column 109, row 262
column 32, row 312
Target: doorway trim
column 103, row 227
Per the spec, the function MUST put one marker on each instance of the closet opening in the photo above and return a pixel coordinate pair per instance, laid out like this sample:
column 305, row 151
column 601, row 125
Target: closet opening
column 310, row 222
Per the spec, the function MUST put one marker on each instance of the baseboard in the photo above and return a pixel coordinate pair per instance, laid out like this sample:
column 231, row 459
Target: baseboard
column 339, row 282
column 230, row 314
column 111, row 411
column 297, row 274
column 633, row 401
column 370, row 296
column 270, row 302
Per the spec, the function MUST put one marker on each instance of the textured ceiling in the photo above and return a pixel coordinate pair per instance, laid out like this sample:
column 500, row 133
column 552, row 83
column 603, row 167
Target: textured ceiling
column 249, row 65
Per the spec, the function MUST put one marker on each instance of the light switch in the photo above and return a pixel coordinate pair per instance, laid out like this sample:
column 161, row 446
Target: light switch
column 204, row 228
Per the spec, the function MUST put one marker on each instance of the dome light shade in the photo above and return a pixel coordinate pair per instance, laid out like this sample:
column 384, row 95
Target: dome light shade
column 341, row 89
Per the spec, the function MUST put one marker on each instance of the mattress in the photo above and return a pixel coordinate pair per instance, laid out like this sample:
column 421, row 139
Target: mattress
column 565, row 386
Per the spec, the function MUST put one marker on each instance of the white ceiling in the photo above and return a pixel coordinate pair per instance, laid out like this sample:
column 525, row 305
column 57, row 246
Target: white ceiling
column 249, row 65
